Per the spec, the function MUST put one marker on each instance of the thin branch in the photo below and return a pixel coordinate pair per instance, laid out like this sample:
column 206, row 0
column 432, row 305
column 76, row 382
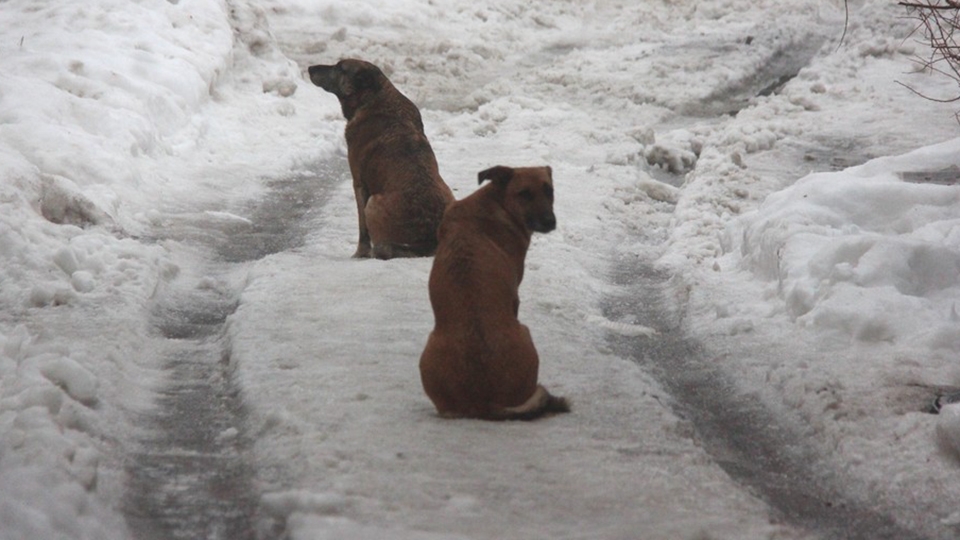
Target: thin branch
column 926, row 97
column 929, row 6
column 939, row 20
column 846, row 22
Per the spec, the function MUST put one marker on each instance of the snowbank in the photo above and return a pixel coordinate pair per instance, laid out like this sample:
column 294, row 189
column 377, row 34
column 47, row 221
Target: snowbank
column 96, row 101
column 864, row 253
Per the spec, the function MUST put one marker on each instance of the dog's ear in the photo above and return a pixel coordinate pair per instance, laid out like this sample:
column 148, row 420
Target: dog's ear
column 366, row 80
column 499, row 175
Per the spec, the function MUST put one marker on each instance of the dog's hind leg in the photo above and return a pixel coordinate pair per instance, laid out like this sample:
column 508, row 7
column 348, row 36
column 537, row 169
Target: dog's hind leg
column 379, row 219
column 391, row 233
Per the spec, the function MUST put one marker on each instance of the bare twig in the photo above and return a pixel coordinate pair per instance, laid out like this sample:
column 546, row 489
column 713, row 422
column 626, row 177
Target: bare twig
column 940, row 24
column 949, row 5
column 947, row 100
column 846, row 22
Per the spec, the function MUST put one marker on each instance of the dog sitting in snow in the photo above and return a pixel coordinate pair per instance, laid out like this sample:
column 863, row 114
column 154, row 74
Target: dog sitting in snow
column 400, row 194
column 479, row 361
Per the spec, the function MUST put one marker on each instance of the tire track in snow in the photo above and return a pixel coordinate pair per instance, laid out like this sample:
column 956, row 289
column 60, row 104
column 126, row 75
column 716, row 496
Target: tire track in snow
column 743, row 436
column 192, row 475
column 754, row 445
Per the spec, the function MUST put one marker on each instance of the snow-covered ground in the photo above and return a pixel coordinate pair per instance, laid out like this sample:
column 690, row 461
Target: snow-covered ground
column 681, row 133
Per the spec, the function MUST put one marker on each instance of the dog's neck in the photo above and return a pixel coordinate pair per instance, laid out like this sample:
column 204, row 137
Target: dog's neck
column 514, row 238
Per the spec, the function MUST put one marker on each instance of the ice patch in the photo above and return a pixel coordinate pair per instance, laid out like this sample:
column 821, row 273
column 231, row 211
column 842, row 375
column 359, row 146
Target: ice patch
column 227, row 216
column 622, row 328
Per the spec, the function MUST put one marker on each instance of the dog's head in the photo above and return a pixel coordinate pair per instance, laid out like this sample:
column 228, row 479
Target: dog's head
column 527, row 194
column 354, row 82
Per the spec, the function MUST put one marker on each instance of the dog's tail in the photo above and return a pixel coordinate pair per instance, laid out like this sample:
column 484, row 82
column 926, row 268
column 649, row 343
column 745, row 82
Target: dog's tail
column 541, row 403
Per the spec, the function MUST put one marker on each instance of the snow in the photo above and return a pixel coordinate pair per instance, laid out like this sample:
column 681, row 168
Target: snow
column 851, row 250
column 948, row 428
column 812, row 226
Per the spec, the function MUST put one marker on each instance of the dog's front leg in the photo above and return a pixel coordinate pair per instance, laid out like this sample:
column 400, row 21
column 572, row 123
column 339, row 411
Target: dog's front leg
column 363, row 244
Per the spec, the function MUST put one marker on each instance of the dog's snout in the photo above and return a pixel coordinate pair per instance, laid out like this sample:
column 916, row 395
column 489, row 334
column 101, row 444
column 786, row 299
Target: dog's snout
column 544, row 223
column 550, row 221
column 320, row 75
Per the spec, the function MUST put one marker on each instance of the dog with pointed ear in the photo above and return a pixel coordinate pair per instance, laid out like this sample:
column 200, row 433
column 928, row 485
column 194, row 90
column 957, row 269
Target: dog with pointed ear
column 400, row 194
column 479, row 360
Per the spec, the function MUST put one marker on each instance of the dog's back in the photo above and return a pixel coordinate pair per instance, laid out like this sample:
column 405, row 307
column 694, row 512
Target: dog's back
column 389, row 152
column 480, row 362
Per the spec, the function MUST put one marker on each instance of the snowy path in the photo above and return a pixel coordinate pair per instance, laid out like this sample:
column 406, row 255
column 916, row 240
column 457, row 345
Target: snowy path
column 192, row 477
column 193, row 474
column 187, row 349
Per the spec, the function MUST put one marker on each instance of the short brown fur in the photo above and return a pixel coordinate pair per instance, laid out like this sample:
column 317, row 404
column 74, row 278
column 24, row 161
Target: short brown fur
column 480, row 361
column 400, row 194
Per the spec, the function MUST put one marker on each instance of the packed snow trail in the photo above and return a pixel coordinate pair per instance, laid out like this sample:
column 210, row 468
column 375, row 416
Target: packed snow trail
column 192, row 475
column 193, row 480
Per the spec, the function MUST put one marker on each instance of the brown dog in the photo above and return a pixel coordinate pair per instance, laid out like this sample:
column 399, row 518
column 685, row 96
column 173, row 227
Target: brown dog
column 480, row 361
column 400, row 195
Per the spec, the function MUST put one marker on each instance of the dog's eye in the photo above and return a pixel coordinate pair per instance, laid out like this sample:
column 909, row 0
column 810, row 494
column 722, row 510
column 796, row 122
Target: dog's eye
column 526, row 195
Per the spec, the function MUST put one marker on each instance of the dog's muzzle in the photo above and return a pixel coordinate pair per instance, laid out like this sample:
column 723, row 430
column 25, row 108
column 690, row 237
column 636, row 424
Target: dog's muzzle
column 323, row 76
column 543, row 223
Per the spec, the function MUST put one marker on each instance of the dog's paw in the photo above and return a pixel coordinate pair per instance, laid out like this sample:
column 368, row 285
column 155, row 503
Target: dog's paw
column 363, row 252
